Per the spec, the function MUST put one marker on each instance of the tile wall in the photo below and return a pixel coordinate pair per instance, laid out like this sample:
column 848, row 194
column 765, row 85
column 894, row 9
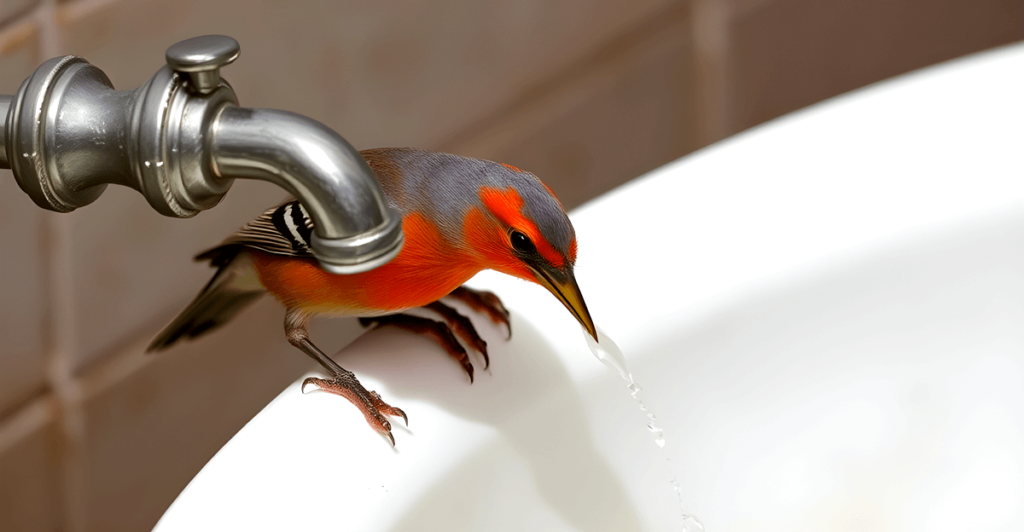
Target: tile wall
column 97, row 436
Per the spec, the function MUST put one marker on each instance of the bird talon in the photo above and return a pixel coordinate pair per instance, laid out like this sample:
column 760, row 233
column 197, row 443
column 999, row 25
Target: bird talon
column 440, row 331
column 369, row 402
column 487, row 303
column 463, row 327
column 309, row 380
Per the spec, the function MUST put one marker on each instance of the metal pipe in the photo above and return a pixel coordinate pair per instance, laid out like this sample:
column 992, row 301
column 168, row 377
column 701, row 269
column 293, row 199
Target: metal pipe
column 5, row 105
column 180, row 139
column 319, row 167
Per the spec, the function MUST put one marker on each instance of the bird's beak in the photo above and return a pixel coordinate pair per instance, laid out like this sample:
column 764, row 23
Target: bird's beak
column 563, row 285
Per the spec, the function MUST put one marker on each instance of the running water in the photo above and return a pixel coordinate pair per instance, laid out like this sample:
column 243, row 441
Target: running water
column 690, row 522
column 610, row 355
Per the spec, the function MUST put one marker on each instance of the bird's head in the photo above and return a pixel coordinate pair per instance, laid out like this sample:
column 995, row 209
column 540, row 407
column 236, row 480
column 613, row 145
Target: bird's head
column 520, row 228
column 495, row 215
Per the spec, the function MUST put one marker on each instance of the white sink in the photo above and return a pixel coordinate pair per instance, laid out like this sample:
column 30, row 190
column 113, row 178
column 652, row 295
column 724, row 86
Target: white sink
column 826, row 313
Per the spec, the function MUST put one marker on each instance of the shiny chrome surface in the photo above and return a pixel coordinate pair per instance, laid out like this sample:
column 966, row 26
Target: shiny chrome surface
column 320, row 168
column 201, row 59
column 180, row 140
column 64, row 134
column 5, row 105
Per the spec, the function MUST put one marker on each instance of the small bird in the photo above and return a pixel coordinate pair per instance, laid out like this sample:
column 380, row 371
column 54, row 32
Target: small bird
column 459, row 216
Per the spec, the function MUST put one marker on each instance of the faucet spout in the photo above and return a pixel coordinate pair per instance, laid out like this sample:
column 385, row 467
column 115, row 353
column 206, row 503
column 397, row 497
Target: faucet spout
column 180, row 140
column 354, row 228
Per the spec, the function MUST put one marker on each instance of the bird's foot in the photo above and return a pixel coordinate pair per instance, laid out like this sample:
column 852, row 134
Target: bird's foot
column 463, row 327
column 440, row 331
column 486, row 302
column 368, row 402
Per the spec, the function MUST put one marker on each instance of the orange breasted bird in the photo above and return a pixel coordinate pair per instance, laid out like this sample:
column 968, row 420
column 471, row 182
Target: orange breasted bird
column 459, row 215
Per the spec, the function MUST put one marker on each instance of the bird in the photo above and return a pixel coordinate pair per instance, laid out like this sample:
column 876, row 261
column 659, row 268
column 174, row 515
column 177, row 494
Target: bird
column 460, row 216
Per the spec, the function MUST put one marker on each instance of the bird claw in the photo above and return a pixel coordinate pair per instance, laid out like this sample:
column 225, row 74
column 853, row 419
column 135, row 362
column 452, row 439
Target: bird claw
column 388, row 409
column 368, row 402
column 439, row 330
column 454, row 324
column 463, row 327
column 486, row 302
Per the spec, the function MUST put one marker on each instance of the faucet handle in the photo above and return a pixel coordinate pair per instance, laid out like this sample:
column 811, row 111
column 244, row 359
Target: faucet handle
column 200, row 59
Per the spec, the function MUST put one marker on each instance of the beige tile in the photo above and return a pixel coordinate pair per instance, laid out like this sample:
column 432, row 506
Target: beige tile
column 385, row 73
column 23, row 285
column 19, row 54
column 621, row 112
column 153, row 421
column 30, row 496
column 13, row 10
column 132, row 269
column 23, row 291
column 786, row 54
column 381, row 73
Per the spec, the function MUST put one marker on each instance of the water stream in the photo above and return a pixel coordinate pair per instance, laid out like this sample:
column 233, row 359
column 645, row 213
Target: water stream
column 610, row 355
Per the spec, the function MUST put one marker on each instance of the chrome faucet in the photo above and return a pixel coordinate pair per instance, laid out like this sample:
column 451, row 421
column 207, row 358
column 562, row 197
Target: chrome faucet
column 180, row 140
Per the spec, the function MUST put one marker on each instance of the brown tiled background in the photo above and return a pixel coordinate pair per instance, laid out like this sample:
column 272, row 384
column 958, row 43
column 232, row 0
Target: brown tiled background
column 96, row 436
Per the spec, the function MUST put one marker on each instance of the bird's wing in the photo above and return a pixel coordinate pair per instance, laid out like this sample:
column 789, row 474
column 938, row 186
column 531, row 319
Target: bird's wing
column 282, row 230
column 234, row 287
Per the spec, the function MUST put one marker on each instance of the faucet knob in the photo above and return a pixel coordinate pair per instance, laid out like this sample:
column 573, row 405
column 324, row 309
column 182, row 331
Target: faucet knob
column 200, row 59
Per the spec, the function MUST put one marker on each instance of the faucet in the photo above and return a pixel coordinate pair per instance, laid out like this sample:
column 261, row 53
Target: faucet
column 181, row 139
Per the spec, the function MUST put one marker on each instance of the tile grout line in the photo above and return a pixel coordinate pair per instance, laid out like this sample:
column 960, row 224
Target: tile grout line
column 612, row 47
column 80, row 8
column 18, row 16
column 69, row 415
column 711, row 46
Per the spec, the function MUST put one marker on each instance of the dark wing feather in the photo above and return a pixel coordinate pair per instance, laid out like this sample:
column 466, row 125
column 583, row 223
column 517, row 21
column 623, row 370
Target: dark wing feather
column 282, row 230
column 231, row 289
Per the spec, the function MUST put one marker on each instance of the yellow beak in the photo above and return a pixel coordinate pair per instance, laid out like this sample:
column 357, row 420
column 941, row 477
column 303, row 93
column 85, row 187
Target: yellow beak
column 568, row 292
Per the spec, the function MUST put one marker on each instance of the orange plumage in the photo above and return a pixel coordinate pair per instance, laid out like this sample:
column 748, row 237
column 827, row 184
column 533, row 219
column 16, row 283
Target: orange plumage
column 426, row 270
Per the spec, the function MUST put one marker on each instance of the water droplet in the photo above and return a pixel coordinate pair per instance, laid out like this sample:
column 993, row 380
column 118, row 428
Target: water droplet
column 159, row 164
column 147, row 164
column 609, row 354
column 692, row 524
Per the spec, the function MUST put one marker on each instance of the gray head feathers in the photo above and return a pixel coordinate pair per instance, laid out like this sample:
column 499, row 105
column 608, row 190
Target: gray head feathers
column 444, row 186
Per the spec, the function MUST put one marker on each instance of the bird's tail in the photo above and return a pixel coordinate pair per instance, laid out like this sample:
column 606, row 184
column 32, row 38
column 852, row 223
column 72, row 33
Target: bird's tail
column 234, row 287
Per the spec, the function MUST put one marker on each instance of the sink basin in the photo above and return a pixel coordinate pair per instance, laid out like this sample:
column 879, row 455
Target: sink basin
column 826, row 313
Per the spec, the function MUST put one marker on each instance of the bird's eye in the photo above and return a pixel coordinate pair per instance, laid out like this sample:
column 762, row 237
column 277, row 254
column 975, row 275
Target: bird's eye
column 522, row 243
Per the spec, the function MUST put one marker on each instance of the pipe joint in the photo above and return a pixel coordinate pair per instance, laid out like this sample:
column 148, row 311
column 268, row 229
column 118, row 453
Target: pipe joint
column 181, row 140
